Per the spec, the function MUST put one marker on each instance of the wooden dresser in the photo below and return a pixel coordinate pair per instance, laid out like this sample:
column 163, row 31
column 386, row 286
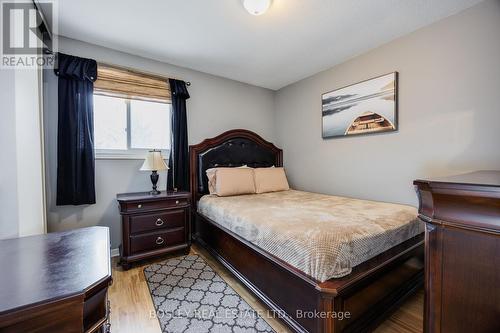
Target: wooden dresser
column 462, row 285
column 56, row 282
column 153, row 225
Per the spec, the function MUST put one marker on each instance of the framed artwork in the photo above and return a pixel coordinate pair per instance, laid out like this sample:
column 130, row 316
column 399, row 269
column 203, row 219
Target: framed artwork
column 363, row 108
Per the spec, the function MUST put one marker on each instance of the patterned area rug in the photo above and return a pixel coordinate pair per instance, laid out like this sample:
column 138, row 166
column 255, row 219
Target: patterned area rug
column 190, row 297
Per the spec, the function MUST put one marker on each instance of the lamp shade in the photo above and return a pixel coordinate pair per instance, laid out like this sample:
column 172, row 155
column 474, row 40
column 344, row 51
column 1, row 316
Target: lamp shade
column 154, row 162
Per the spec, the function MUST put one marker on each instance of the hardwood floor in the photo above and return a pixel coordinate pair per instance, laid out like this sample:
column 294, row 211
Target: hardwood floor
column 132, row 309
column 408, row 318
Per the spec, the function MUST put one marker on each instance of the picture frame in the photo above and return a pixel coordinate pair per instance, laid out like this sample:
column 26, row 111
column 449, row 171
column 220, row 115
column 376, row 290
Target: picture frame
column 366, row 107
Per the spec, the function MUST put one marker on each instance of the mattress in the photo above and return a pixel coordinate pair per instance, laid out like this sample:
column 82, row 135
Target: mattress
column 321, row 235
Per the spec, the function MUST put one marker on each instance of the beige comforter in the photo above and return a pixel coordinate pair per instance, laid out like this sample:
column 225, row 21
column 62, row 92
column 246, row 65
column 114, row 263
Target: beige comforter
column 323, row 236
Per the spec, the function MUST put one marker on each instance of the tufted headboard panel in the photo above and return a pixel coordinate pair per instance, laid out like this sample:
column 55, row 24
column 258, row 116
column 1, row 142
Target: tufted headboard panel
column 229, row 149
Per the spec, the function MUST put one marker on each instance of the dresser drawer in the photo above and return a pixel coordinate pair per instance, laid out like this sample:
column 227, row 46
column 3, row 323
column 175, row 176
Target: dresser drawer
column 133, row 207
column 158, row 240
column 95, row 310
column 150, row 222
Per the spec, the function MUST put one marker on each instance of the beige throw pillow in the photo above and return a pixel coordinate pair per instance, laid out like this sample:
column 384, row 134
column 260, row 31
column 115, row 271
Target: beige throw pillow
column 234, row 181
column 212, row 175
column 270, row 180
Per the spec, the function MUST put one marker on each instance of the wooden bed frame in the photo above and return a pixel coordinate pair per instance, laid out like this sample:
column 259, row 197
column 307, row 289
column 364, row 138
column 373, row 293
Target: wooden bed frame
column 355, row 303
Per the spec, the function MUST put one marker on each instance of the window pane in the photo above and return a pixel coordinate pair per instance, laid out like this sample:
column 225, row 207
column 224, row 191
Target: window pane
column 150, row 125
column 110, row 122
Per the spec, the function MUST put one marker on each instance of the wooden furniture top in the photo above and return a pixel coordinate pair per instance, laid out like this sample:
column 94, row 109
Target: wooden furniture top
column 51, row 267
column 478, row 179
column 471, row 200
column 146, row 196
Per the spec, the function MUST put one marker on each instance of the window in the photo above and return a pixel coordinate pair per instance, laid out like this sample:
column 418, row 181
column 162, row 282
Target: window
column 128, row 128
column 131, row 113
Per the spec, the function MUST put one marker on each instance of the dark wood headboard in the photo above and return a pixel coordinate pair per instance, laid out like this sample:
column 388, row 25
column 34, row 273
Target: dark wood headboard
column 230, row 149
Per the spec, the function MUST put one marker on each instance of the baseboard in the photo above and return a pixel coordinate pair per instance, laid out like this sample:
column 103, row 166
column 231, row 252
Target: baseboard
column 115, row 252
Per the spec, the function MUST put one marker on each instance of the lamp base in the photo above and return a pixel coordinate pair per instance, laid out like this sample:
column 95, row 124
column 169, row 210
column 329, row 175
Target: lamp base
column 154, row 179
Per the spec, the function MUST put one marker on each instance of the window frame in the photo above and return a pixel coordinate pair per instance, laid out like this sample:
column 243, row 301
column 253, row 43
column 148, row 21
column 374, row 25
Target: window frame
column 129, row 153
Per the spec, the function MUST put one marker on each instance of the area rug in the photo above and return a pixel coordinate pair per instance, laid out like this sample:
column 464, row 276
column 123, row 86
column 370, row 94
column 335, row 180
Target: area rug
column 190, row 297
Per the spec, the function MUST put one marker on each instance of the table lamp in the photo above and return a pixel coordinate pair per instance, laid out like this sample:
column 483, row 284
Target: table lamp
column 154, row 162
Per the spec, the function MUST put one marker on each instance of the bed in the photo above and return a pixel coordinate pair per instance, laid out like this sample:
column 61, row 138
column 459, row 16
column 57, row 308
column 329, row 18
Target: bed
column 282, row 247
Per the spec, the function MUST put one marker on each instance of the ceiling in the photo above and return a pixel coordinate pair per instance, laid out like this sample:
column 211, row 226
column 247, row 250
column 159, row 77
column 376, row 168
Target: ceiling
column 293, row 40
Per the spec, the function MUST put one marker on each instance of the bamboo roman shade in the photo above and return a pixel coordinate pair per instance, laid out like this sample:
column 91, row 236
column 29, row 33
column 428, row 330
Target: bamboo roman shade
column 126, row 83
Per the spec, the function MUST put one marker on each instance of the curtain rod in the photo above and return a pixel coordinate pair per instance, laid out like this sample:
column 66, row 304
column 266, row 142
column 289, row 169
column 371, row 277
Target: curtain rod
column 162, row 77
column 47, row 51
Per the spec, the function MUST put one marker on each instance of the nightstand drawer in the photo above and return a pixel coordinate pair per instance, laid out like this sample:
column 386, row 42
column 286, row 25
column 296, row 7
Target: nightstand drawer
column 145, row 206
column 153, row 241
column 150, row 222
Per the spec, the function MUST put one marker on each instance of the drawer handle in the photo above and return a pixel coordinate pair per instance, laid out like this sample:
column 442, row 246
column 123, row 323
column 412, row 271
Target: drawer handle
column 160, row 241
column 159, row 222
column 139, row 206
column 176, row 202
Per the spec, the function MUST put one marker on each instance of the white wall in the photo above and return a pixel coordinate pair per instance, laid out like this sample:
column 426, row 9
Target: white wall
column 216, row 105
column 8, row 158
column 449, row 116
column 29, row 152
column 21, row 178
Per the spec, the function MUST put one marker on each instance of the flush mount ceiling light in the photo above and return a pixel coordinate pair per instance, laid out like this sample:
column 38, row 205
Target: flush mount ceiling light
column 257, row 7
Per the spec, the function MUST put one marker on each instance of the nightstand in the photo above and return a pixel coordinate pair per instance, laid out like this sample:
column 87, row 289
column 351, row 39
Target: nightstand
column 154, row 225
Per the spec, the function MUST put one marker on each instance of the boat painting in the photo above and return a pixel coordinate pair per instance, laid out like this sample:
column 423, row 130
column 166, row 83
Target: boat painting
column 369, row 122
column 362, row 108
